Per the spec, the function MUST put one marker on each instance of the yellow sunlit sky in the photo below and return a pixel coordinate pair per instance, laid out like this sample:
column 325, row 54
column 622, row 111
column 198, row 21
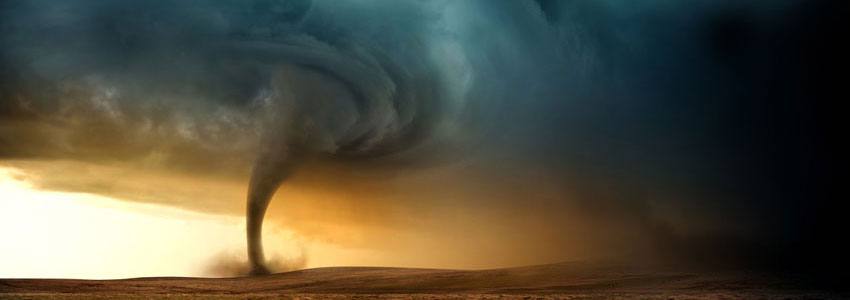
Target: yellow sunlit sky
column 48, row 234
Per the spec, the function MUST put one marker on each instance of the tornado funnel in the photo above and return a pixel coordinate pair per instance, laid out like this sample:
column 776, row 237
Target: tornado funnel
column 270, row 170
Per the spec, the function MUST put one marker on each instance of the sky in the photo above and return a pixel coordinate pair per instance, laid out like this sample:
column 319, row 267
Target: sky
column 440, row 134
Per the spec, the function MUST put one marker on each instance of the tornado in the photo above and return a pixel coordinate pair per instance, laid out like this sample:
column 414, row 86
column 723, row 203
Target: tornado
column 270, row 170
column 339, row 102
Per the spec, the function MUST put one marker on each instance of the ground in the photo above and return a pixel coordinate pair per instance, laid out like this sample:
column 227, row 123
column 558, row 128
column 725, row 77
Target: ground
column 554, row 281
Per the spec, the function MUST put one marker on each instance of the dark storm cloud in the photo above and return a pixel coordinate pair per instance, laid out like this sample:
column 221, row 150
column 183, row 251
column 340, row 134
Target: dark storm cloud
column 709, row 109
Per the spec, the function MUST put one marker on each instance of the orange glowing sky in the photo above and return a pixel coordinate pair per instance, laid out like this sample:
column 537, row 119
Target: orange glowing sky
column 75, row 227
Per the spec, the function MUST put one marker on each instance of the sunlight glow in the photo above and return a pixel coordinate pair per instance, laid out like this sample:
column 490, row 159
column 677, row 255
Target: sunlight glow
column 75, row 235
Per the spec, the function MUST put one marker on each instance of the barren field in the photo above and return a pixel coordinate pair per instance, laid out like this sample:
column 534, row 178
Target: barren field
column 555, row 281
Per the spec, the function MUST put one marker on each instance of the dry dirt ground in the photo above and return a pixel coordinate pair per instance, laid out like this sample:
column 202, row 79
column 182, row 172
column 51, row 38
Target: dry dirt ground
column 555, row 281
